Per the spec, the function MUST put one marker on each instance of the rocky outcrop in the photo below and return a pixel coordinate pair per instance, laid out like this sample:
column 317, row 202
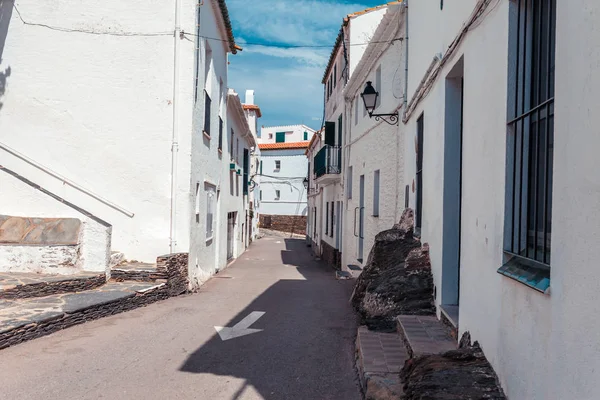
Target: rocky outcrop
column 463, row 374
column 397, row 277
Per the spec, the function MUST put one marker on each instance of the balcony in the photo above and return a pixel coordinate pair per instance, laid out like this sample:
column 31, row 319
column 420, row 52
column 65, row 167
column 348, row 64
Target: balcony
column 328, row 164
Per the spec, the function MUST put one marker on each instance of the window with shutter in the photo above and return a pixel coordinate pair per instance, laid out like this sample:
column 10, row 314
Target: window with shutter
column 330, row 133
column 207, row 102
column 279, row 137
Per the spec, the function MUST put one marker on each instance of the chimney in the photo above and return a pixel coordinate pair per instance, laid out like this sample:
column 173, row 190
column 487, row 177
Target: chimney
column 249, row 97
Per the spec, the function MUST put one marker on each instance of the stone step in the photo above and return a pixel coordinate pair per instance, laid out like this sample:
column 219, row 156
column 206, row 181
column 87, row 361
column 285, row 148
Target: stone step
column 424, row 334
column 137, row 271
column 21, row 285
column 25, row 319
column 379, row 358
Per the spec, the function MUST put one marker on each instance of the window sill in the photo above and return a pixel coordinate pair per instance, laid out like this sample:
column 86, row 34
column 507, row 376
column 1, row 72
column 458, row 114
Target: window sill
column 206, row 135
column 527, row 272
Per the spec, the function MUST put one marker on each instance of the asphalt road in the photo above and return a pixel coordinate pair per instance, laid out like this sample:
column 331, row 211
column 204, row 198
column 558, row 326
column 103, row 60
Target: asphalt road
column 170, row 350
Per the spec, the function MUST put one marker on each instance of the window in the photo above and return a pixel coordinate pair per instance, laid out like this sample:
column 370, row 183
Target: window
column 220, row 134
column 419, row 180
column 277, row 194
column 356, row 102
column 378, row 85
column 246, row 168
column 305, row 135
column 530, row 133
column 376, row 193
column 207, row 103
column 349, row 183
column 331, row 215
column 261, row 167
column 260, row 195
column 327, row 218
column 231, row 145
column 335, row 75
column 277, row 165
column 210, row 207
column 270, row 136
column 280, row 137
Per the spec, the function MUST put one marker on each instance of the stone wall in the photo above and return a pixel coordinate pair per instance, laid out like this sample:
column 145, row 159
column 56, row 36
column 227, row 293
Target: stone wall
column 175, row 267
column 286, row 223
column 42, row 289
column 331, row 255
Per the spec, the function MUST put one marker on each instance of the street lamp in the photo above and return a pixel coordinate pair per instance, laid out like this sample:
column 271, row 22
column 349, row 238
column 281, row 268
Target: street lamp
column 369, row 96
column 305, row 183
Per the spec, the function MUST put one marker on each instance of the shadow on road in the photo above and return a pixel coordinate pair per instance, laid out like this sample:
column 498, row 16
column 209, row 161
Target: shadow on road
column 306, row 349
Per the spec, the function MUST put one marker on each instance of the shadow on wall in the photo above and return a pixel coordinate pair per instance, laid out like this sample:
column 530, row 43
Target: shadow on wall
column 301, row 315
column 6, row 7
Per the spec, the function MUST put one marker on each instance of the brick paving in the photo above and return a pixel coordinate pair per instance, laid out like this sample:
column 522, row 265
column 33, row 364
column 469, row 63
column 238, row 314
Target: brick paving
column 425, row 335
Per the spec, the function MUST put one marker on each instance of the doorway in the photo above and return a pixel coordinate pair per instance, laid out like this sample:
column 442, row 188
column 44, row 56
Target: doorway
column 452, row 198
column 230, row 234
column 361, row 219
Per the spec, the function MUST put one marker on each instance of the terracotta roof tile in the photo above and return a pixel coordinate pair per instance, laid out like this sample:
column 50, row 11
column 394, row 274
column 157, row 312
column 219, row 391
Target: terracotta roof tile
column 252, row 107
column 282, row 146
column 234, row 48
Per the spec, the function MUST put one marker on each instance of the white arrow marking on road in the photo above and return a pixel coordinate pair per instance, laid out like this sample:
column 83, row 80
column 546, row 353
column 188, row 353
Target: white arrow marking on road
column 242, row 328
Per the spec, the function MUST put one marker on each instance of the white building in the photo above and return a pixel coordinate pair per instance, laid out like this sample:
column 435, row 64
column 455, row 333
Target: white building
column 283, row 169
column 253, row 112
column 99, row 114
column 329, row 159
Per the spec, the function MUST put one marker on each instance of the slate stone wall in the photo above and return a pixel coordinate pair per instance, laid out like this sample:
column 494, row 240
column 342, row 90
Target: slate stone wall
column 49, row 288
column 286, row 223
column 175, row 267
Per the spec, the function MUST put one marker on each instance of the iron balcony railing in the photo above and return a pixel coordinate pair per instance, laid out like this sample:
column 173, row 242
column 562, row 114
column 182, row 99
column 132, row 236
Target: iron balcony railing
column 328, row 161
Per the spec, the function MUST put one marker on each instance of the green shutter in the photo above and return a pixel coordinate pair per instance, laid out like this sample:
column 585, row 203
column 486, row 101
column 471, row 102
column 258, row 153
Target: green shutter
column 305, row 135
column 280, row 137
column 330, row 133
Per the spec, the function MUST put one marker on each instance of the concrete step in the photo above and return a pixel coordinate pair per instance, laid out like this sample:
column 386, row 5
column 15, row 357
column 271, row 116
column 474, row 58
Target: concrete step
column 137, row 271
column 25, row 319
column 424, row 334
column 21, row 285
column 379, row 358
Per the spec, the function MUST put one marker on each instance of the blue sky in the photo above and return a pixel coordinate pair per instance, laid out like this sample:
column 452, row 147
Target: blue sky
column 287, row 82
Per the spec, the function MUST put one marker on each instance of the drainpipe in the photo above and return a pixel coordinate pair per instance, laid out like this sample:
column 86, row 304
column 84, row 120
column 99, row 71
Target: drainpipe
column 405, row 2
column 175, row 133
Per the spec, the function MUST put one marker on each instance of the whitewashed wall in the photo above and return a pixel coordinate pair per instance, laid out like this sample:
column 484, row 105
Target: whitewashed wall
column 293, row 133
column 539, row 344
column 94, row 108
column 294, row 166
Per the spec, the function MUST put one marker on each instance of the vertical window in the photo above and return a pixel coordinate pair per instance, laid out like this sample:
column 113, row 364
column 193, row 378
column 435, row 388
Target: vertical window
column 231, row 145
column 246, row 168
column 210, row 207
column 349, row 183
column 327, row 218
column 277, row 165
column 419, row 199
column 279, row 137
column 277, row 194
column 261, row 167
column 378, row 85
column 357, row 103
column 220, row 134
column 207, row 103
column 270, row 136
column 335, row 75
column 331, row 215
column 376, row 193
column 305, row 135
column 530, row 133
column 260, row 195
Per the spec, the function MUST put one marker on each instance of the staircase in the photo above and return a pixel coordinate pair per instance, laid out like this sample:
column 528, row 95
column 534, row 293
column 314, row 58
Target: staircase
column 33, row 305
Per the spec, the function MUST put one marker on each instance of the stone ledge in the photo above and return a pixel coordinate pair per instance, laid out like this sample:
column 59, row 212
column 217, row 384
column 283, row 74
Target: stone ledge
column 28, row 285
column 424, row 334
column 39, row 317
column 379, row 359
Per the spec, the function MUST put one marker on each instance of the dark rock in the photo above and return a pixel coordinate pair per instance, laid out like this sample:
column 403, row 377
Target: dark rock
column 42, row 289
column 463, row 374
column 397, row 277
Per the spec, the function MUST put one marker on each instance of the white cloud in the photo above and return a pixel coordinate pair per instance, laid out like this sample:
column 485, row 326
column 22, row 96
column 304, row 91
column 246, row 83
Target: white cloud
column 315, row 57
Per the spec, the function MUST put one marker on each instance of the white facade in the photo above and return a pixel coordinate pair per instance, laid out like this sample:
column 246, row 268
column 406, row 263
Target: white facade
column 291, row 133
column 282, row 190
column 96, row 98
column 542, row 345
column 253, row 113
column 334, row 152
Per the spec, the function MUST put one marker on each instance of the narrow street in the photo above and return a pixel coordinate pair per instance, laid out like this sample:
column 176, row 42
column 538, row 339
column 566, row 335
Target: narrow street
column 171, row 349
